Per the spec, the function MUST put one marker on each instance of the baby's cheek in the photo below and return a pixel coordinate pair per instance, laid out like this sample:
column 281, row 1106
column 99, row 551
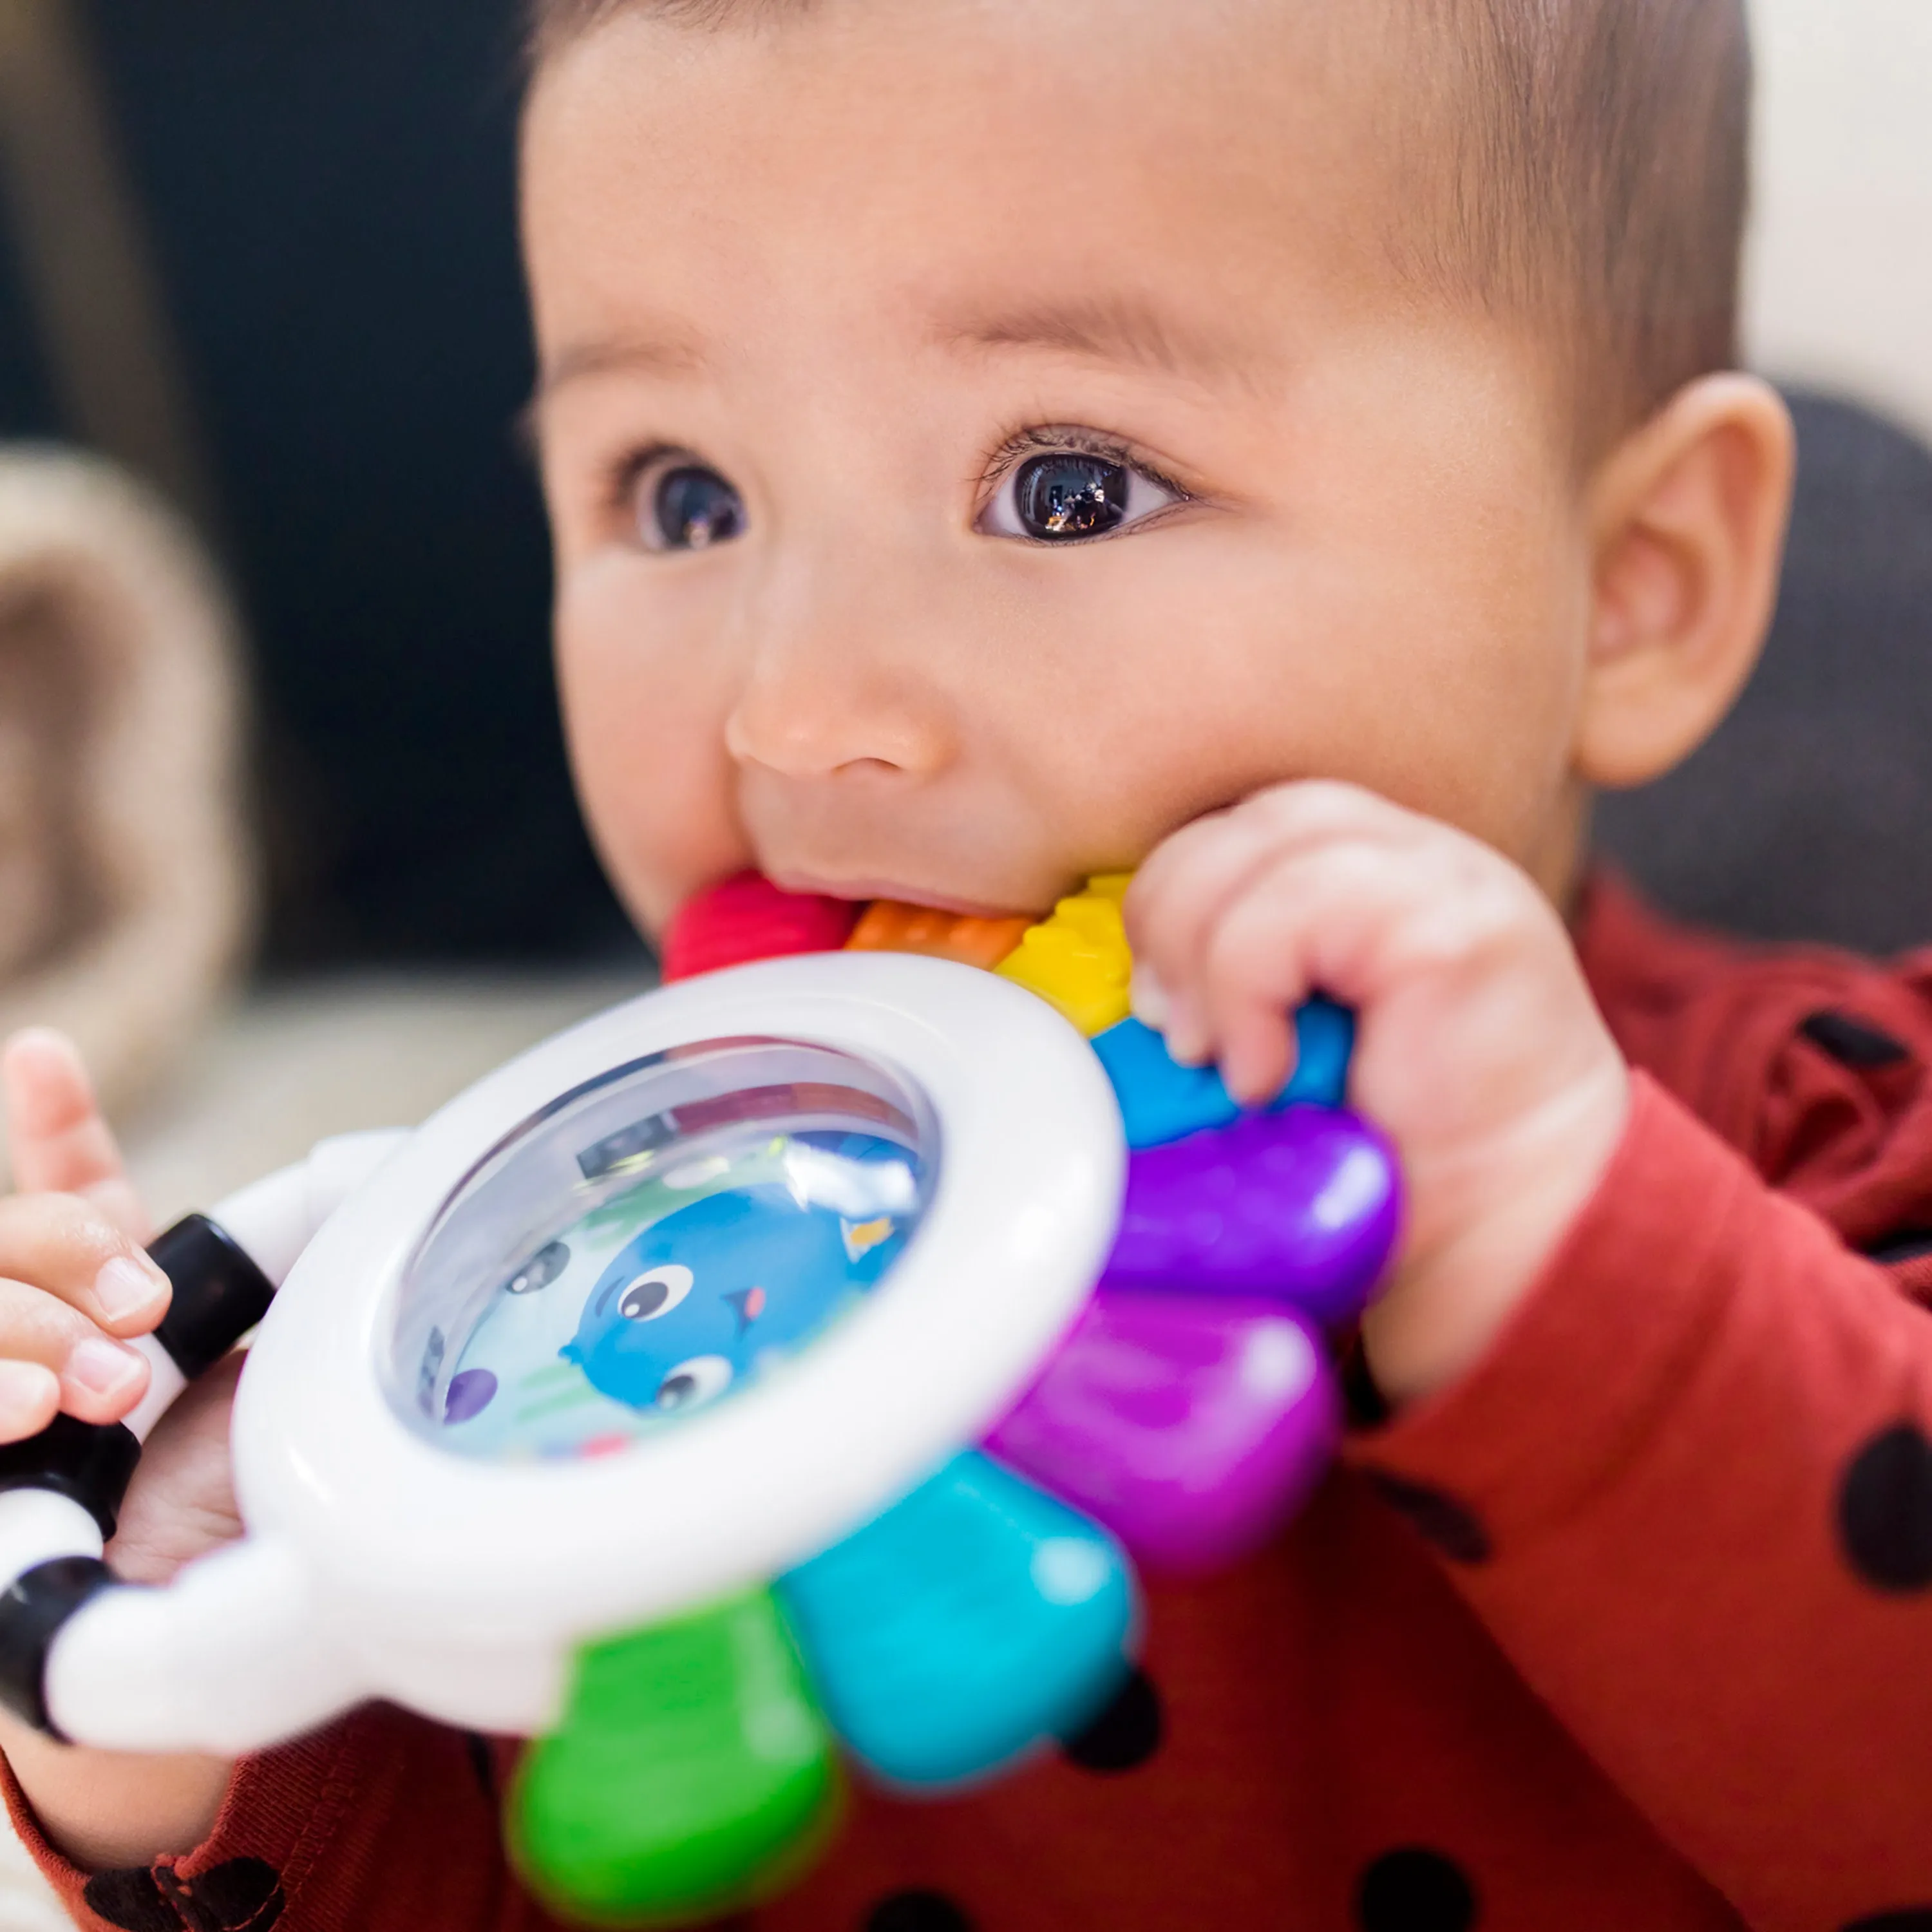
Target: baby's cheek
column 646, row 738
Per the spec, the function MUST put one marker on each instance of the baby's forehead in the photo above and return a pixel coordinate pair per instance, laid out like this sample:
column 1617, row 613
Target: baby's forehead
column 1172, row 197
column 1578, row 169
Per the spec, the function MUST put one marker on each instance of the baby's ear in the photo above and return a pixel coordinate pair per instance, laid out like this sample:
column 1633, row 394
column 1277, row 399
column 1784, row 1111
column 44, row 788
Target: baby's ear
column 1688, row 516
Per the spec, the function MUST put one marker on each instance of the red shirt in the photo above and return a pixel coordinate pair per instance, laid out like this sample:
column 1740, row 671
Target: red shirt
column 1632, row 1628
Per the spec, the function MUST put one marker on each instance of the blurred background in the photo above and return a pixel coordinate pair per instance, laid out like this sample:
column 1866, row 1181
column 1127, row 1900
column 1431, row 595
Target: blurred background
column 265, row 258
column 285, row 832
column 300, row 312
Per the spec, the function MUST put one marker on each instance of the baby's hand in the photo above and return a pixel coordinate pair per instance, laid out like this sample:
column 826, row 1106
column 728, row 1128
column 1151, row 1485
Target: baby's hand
column 74, row 1285
column 1481, row 1052
column 70, row 1239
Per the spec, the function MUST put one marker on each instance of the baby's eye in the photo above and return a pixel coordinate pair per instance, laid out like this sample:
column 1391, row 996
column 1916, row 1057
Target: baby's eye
column 1069, row 495
column 654, row 1293
column 685, row 505
column 702, row 1379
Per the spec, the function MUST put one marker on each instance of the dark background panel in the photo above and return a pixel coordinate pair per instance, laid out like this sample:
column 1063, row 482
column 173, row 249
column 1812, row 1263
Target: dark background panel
column 329, row 186
column 27, row 405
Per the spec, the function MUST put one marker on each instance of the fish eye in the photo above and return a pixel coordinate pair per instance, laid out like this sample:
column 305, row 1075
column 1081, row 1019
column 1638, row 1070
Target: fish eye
column 691, row 1384
column 655, row 1293
column 683, row 504
column 1073, row 496
column 542, row 1269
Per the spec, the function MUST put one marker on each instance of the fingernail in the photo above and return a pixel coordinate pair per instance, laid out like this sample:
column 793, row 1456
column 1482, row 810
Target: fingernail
column 124, row 1287
column 102, row 1366
column 1187, row 1039
column 1147, row 998
column 26, row 1389
column 1244, row 1089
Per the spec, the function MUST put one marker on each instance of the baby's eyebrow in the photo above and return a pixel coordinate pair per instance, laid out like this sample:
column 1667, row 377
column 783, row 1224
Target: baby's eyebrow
column 1110, row 329
column 665, row 351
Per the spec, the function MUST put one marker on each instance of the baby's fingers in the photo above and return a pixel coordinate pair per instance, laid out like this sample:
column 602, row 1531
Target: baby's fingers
column 59, row 1142
column 53, row 1357
column 1311, row 921
column 71, row 1253
column 1189, row 886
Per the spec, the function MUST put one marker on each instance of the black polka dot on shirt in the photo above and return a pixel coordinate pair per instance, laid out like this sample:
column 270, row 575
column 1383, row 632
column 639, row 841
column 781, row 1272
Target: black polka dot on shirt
column 1453, row 1527
column 243, row 1895
column 1911, row 1918
column 239, row 1895
column 1125, row 1735
column 1414, row 1890
column 917, row 1912
column 1853, row 1041
column 131, row 1900
column 482, row 1766
column 1901, row 1246
column 1885, row 1511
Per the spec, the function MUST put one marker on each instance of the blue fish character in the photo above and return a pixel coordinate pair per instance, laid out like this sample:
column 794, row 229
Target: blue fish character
column 692, row 1303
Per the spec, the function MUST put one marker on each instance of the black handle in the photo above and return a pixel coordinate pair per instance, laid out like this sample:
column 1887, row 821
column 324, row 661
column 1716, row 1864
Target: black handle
column 219, row 1295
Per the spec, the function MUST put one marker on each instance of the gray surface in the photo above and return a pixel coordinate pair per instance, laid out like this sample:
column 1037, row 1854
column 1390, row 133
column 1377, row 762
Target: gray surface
column 1809, row 814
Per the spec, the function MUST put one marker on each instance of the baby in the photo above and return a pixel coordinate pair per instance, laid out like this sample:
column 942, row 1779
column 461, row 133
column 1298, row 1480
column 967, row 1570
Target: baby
column 1291, row 450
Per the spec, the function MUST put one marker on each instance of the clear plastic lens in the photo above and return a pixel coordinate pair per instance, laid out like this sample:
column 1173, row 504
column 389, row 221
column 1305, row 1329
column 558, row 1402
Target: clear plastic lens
column 654, row 1243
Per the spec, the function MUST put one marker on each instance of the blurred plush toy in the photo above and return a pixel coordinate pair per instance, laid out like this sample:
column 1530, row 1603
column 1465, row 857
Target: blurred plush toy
column 124, row 885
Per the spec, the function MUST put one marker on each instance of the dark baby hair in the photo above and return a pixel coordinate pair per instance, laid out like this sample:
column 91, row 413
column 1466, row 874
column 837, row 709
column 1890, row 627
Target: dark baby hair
column 1580, row 166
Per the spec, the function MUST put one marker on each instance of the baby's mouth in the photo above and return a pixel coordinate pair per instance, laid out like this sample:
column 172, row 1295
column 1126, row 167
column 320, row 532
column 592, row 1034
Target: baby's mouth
column 867, row 889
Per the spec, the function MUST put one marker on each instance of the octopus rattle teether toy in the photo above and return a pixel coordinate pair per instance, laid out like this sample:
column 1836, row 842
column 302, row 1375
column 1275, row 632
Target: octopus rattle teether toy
column 785, row 1369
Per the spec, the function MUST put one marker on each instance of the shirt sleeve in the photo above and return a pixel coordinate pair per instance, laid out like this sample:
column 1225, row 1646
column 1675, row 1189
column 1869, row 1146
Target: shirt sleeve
column 383, row 1822
column 1689, row 1491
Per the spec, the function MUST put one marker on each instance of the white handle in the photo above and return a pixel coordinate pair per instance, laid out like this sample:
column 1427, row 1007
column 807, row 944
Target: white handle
column 228, row 1658
column 271, row 1220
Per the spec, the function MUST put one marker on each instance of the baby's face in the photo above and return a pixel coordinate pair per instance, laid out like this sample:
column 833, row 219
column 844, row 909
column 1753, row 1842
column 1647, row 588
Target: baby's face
column 982, row 437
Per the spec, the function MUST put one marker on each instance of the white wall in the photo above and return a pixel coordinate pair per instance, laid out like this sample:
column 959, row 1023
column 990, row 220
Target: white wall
column 1841, row 288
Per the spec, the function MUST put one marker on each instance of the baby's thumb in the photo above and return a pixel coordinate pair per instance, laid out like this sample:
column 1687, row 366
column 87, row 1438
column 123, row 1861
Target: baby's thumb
column 58, row 1142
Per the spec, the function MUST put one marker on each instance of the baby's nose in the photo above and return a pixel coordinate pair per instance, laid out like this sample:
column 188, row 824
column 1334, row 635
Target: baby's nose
column 836, row 680
column 803, row 734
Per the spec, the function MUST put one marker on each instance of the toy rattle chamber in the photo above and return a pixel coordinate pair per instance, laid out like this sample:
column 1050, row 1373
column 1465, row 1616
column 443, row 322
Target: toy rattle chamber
column 787, row 1368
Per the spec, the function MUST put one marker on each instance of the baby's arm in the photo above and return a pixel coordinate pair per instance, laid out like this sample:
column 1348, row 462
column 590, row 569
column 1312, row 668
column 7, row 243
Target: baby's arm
column 76, row 1285
column 1669, row 1437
